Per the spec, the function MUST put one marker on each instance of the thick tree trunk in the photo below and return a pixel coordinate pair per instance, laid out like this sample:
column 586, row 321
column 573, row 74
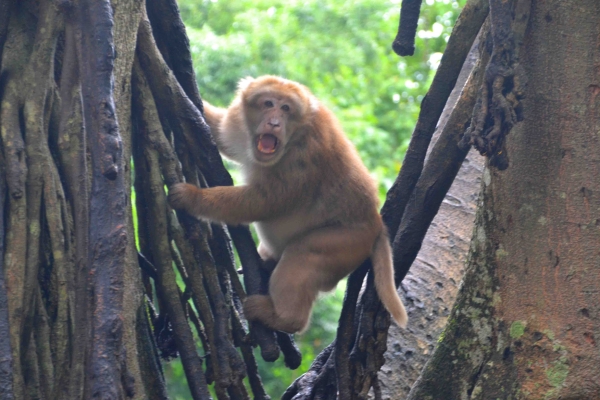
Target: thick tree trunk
column 527, row 321
column 70, row 264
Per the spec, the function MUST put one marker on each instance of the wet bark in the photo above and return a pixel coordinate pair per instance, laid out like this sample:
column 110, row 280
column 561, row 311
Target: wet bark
column 526, row 321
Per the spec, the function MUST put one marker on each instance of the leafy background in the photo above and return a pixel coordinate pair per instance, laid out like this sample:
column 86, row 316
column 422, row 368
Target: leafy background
column 341, row 50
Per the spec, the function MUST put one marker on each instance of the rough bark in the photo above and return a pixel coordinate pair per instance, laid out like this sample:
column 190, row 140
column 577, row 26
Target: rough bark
column 526, row 321
column 431, row 285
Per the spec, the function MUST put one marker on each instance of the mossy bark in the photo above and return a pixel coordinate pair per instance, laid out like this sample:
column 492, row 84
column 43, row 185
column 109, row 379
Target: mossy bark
column 526, row 321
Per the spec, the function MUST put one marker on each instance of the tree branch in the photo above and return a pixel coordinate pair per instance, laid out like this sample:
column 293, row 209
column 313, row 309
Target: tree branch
column 185, row 119
column 463, row 35
column 149, row 179
column 404, row 43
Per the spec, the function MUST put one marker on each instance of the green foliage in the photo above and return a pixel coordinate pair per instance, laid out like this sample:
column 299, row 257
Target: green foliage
column 342, row 51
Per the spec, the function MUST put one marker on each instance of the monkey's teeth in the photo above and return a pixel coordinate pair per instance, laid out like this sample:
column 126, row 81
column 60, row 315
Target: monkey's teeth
column 267, row 143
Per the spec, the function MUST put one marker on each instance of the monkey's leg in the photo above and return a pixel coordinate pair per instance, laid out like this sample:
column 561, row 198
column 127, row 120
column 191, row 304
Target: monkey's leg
column 288, row 306
column 311, row 264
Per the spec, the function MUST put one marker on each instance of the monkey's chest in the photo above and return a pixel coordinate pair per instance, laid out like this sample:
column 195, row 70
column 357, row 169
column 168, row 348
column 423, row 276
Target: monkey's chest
column 276, row 235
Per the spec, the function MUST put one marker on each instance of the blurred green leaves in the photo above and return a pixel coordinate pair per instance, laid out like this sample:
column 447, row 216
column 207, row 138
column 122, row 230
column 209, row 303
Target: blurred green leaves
column 340, row 49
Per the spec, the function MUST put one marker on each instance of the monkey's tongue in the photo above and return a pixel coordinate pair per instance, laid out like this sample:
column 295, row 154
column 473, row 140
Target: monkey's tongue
column 267, row 143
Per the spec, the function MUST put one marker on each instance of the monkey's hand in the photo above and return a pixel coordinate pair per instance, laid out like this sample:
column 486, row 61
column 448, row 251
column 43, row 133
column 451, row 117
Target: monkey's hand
column 230, row 204
column 182, row 196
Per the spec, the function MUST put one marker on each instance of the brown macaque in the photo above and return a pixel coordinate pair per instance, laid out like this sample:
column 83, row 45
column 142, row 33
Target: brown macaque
column 313, row 201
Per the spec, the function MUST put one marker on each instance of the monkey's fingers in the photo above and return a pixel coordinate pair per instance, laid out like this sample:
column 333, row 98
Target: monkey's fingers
column 180, row 195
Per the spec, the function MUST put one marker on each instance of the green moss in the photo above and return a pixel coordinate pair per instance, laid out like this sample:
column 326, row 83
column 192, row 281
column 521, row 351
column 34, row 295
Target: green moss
column 517, row 329
column 549, row 333
column 551, row 394
column 501, row 253
column 557, row 374
column 558, row 347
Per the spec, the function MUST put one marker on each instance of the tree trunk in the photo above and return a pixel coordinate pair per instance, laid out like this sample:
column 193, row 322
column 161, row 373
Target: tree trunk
column 89, row 89
column 59, row 248
column 526, row 321
column 431, row 285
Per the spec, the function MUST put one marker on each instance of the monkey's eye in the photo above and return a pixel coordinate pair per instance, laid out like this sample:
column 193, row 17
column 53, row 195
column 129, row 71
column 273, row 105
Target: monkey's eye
column 285, row 108
column 268, row 104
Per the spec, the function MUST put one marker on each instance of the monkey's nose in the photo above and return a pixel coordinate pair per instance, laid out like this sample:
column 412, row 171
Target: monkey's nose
column 274, row 122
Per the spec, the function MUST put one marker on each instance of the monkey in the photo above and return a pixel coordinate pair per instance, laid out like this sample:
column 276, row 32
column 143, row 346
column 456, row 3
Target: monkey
column 313, row 202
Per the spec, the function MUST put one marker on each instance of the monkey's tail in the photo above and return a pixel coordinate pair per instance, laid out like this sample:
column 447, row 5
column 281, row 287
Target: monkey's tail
column 384, row 279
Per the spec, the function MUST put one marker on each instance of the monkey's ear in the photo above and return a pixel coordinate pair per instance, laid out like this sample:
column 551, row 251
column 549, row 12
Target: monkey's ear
column 244, row 83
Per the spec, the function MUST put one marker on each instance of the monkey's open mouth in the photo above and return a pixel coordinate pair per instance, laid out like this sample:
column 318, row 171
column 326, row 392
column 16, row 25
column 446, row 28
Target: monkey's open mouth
column 267, row 143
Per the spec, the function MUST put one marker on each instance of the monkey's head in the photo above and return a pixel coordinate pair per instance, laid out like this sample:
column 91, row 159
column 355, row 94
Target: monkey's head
column 275, row 111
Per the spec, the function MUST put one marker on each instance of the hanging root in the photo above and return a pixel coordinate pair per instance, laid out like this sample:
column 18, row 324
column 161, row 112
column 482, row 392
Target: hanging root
column 498, row 108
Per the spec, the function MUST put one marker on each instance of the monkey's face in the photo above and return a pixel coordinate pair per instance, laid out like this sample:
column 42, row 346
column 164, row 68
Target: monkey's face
column 272, row 117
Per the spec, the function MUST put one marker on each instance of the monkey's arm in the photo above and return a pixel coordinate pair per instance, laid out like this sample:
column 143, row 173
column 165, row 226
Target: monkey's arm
column 213, row 116
column 230, row 145
column 230, row 204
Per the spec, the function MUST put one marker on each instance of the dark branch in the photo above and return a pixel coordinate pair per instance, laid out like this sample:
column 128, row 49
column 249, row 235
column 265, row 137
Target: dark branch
column 155, row 245
column 443, row 164
column 463, row 35
column 185, row 118
column 404, row 43
column 174, row 44
column 291, row 353
column 251, row 263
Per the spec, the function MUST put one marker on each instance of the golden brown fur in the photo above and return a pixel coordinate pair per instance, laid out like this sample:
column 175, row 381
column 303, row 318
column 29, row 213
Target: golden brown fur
column 314, row 203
